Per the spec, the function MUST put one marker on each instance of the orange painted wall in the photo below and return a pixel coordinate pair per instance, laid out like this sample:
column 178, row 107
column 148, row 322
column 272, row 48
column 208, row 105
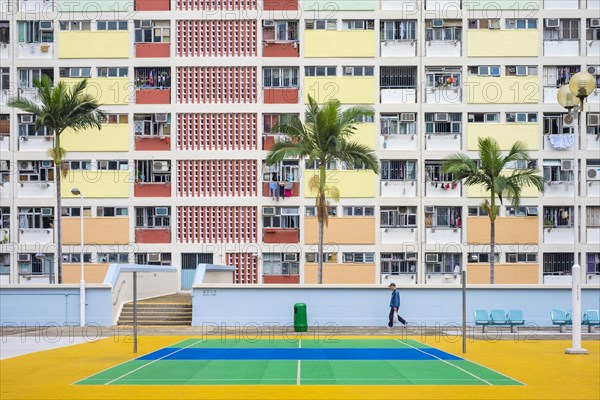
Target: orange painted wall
column 503, row 273
column 94, row 273
column 152, row 50
column 152, row 189
column 281, row 50
column 277, row 235
column 153, row 235
column 99, row 230
column 152, row 5
column 341, row 273
column 270, row 5
column 348, row 230
column 280, row 96
column 152, row 143
column 281, row 279
column 522, row 230
column 153, row 96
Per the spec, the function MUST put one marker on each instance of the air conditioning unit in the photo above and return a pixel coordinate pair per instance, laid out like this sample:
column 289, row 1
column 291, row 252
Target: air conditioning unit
column 268, row 23
column 160, row 166
column 593, row 173
column 437, row 23
column 348, row 71
column 431, row 258
column 592, row 69
column 429, row 209
column 595, row 23
column 24, row 257
column 162, row 117
column 473, row 257
column 153, row 257
column 45, row 25
column 4, row 165
column 161, row 211
column 407, row 117
column 593, row 119
column 46, row 212
column 26, row 118
column 441, row 117
column 290, row 257
column 566, row 165
column 268, row 210
column 552, row 23
column 494, row 24
column 26, row 165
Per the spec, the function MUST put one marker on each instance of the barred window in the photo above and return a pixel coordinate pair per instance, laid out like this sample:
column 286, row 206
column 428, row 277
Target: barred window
column 558, row 263
column 398, row 77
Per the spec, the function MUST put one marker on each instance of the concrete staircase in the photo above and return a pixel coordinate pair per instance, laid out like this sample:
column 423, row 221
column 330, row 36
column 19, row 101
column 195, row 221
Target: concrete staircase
column 172, row 310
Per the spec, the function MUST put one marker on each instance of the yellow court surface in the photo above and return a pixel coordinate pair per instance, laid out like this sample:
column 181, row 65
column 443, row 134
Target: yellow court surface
column 540, row 367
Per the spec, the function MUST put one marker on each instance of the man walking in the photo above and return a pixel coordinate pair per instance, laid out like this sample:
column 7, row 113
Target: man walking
column 394, row 306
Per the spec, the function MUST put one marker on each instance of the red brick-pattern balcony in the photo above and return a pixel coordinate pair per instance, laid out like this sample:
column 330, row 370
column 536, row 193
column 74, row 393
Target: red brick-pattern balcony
column 153, row 96
column 280, row 5
column 144, row 143
column 152, row 5
column 281, row 279
column 152, row 235
column 278, row 235
column 152, row 189
column 281, row 96
column 291, row 49
column 152, row 50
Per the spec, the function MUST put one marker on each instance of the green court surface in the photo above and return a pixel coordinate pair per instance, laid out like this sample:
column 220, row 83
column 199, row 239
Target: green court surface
column 299, row 362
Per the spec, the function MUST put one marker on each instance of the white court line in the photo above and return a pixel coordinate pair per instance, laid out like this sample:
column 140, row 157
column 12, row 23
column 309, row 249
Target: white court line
column 153, row 361
column 299, row 364
column 444, row 361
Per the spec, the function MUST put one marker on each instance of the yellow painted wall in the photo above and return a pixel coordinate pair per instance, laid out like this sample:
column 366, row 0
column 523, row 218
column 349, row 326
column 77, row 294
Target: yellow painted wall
column 505, row 135
column 502, row 43
column 341, row 273
column 341, row 230
column 112, row 137
column 347, row 89
column 509, row 230
column 94, row 273
column 477, row 191
column 338, row 44
column 503, row 274
column 502, row 89
column 365, row 134
column 100, row 230
column 93, row 44
column 349, row 183
column 108, row 91
column 97, row 184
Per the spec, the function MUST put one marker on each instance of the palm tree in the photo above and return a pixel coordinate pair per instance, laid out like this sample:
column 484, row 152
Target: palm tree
column 324, row 137
column 60, row 108
column 489, row 174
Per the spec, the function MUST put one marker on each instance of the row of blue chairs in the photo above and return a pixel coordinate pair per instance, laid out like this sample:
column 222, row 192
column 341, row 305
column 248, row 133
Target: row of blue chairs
column 499, row 318
column 590, row 318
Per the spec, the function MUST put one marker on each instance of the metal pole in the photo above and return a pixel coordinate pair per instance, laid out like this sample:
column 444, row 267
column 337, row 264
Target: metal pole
column 463, row 278
column 82, row 281
column 135, row 312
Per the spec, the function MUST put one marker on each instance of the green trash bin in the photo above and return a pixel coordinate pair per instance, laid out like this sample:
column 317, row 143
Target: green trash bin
column 300, row 324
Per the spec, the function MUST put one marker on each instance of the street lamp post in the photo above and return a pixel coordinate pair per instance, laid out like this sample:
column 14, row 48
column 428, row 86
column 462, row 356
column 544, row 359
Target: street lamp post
column 77, row 192
column 580, row 86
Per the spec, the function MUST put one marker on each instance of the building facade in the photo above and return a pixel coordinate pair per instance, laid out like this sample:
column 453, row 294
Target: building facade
column 192, row 89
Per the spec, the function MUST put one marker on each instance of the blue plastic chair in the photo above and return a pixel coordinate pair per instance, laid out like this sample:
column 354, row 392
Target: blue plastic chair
column 482, row 318
column 497, row 317
column 591, row 319
column 561, row 318
column 515, row 317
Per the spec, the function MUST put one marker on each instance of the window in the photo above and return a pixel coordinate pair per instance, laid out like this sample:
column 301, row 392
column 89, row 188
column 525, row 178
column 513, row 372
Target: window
column 112, row 72
column 591, row 33
column 485, row 70
column 398, row 30
column 593, row 123
column 270, row 121
column 592, row 216
column 484, row 117
column 554, row 172
column 443, row 217
column 320, row 71
column 397, row 77
column 558, row 217
column 155, row 258
column 558, row 263
column 358, row 258
column 112, row 211
column 35, row 31
column 567, row 29
column 443, row 77
column 553, row 125
column 152, row 217
column 28, row 75
column 152, row 32
column 355, row 211
column 35, row 265
column 312, row 211
column 36, row 217
column 4, row 79
column 521, row 70
column 443, row 123
column 115, row 119
column 285, row 77
column 4, row 263
column 482, row 257
column 443, row 30
column 398, row 217
column 113, row 165
column 399, row 263
column 521, row 257
column 358, row 25
column 365, row 119
column 442, row 263
column 521, row 117
column 4, row 32
column 27, row 129
column 75, row 258
column 521, row 164
column 398, row 170
column 281, row 217
column 76, row 165
column 477, row 212
column 521, row 23
column 484, row 24
column 433, row 172
column 593, row 263
column 36, row 171
column 358, row 71
column 122, row 258
column 286, row 170
column 159, row 77
column 321, row 24
column 282, row 31
column 75, row 72
column 111, row 25
column 327, row 257
column 556, row 76
column 74, row 25
column 330, row 165
column 152, row 171
column 398, row 124
column 521, row 211
column 281, row 264
column 75, row 211
column 150, row 125
column 4, row 218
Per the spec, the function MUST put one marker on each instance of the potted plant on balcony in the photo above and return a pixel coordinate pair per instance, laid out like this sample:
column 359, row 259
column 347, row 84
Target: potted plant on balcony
column 548, row 224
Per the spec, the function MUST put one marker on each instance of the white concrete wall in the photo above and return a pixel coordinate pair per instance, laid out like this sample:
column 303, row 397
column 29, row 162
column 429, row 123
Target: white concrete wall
column 6, row 191
column 593, row 4
column 4, row 143
column 35, row 5
column 398, row 188
column 592, row 142
column 550, row 95
column 398, row 48
column 593, row 235
column 443, row 95
column 443, row 49
column 398, row 96
column 558, row 280
column 432, row 191
column 567, row 48
column 594, row 98
column 560, row 189
column 443, row 235
column 443, row 142
column 398, row 142
column 593, row 189
column 35, row 143
column 559, row 235
column 442, row 279
column 4, row 51
column 443, row 5
column 404, row 279
column 37, row 190
column 398, row 235
column 593, row 48
column 34, row 50
column 38, row 236
column 561, row 5
column 408, row 6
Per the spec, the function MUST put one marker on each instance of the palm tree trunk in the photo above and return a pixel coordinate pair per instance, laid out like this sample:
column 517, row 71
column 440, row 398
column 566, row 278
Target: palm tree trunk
column 492, row 245
column 320, row 272
column 58, row 211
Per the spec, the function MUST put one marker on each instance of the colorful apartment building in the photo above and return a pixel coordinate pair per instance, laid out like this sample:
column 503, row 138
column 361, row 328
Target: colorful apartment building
column 192, row 89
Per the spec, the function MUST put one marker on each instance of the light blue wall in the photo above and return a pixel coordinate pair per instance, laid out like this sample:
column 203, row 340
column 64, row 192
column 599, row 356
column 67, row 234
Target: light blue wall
column 92, row 6
column 503, row 5
column 54, row 305
column 369, row 306
column 326, row 6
